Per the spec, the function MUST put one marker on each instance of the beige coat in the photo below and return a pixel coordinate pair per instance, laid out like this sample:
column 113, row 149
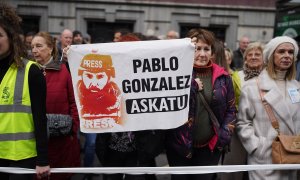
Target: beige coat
column 255, row 129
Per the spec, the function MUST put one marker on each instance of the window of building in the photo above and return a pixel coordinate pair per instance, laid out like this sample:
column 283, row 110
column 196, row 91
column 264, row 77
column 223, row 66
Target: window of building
column 102, row 32
column 30, row 24
column 218, row 30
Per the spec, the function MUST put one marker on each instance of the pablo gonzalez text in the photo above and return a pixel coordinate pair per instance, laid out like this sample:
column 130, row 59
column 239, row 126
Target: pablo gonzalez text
column 155, row 84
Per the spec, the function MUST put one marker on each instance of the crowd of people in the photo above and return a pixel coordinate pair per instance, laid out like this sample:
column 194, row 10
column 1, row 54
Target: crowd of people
column 227, row 123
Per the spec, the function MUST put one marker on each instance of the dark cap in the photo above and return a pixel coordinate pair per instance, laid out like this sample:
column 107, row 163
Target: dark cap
column 76, row 33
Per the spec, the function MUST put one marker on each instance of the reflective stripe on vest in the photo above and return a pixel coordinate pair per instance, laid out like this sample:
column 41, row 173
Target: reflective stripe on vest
column 17, row 139
column 16, row 136
column 15, row 108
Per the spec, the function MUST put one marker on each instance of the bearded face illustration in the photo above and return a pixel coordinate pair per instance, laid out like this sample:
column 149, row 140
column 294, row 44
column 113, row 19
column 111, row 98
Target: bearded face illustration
column 94, row 81
column 99, row 96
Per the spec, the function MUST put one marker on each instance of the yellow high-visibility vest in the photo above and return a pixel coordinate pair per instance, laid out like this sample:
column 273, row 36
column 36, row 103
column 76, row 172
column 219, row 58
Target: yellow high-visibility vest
column 17, row 140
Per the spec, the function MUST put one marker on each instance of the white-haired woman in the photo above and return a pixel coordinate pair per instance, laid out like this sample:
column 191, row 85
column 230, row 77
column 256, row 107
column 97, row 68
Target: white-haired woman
column 254, row 126
column 253, row 65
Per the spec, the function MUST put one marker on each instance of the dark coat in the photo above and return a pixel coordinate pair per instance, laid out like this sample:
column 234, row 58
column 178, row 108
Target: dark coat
column 298, row 70
column 149, row 144
column 222, row 104
column 237, row 60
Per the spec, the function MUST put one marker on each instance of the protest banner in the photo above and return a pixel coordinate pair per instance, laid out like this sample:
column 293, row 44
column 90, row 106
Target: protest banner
column 130, row 86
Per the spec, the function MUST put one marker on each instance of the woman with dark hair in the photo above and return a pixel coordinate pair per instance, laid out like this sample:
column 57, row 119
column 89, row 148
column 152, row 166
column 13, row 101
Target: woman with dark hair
column 23, row 123
column 64, row 150
column 218, row 55
column 211, row 91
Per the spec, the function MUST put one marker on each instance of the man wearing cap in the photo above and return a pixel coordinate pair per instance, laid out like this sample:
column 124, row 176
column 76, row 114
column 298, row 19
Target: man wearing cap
column 99, row 95
column 77, row 37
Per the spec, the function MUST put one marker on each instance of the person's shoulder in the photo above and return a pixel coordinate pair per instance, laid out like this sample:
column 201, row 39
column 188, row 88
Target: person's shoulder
column 222, row 75
column 58, row 45
column 249, row 85
column 35, row 74
column 64, row 68
column 252, row 81
column 219, row 71
column 241, row 74
column 35, row 69
column 298, row 64
column 236, row 51
column 235, row 75
column 295, row 83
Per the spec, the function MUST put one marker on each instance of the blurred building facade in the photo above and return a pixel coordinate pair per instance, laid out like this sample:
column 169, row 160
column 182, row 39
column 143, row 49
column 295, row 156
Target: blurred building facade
column 228, row 19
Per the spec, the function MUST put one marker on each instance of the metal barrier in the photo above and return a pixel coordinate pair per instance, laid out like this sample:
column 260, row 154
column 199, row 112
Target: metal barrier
column 159, row 170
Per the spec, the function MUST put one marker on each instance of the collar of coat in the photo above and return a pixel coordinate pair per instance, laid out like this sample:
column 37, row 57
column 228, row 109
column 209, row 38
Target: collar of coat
column 276, row 99
column 217, row 71
column 53, row 65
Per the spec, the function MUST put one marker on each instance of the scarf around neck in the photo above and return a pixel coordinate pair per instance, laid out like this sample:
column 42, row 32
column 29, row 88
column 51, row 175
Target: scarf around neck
column 250, row 73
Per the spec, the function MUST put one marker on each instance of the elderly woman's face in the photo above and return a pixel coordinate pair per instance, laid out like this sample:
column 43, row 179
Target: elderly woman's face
column 203, row 54
column 284, row 56
column 254, row 59
column 4, row 43
column 40, row 50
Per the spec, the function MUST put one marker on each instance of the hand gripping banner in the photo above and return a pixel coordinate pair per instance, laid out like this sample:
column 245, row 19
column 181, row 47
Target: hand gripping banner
column 130, row 86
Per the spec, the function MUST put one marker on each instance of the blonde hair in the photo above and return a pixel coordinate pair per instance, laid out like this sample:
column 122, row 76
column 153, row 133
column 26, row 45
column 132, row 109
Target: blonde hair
column 252, row 46
column 229, row 52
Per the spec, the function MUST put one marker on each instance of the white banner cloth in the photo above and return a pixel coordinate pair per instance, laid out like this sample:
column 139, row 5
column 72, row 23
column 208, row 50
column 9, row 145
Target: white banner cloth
column 129, row 86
